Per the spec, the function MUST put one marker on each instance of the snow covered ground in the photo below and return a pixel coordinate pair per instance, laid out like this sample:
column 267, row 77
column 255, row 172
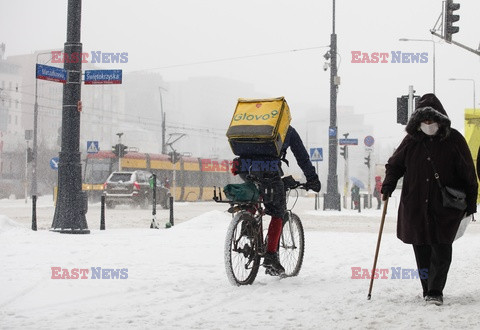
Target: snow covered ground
column 176, row 277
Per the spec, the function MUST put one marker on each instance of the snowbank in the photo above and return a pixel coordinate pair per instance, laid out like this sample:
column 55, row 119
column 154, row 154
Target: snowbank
column 176, row 280
column 7, row 224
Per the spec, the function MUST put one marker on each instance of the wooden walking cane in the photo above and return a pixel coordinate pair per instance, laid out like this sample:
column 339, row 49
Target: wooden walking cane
column 384, row 213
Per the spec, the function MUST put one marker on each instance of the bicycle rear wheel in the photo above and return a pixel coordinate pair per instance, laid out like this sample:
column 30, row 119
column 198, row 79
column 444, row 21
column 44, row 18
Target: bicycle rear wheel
column 292, row 244
column 241, row 250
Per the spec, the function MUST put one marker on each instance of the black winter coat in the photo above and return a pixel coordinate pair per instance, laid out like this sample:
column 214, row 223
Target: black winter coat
column 422, row 219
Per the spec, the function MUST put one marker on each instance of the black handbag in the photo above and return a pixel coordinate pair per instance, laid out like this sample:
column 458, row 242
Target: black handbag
column 451, row 197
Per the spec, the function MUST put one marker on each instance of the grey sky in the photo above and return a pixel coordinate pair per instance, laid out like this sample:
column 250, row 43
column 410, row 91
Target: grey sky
column 159, row 34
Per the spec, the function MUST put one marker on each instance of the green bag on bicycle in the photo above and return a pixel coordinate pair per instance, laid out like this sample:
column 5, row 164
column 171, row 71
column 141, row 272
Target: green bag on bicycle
column 245, row 192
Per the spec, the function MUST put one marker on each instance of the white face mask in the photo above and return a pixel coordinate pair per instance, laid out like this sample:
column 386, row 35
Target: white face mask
column 429, row 129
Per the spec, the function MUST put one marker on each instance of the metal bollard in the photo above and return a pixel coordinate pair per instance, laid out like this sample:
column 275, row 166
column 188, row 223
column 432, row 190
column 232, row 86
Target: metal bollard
column 102, row 212
column 171, row 211
column 34, row 212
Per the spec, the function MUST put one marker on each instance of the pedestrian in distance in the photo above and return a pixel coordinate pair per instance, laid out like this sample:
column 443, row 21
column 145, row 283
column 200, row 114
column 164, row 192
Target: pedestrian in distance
column 423, row 221
column 272, row 180
column 355, row 192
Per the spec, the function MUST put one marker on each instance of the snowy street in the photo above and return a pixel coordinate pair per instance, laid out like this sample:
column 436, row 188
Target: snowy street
column 176, row 277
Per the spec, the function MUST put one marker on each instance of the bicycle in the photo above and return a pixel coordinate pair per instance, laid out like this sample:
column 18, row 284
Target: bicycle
column 245, row 244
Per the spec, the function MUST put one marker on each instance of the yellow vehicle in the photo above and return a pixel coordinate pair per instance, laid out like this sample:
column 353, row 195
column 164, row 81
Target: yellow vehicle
column 194, row 177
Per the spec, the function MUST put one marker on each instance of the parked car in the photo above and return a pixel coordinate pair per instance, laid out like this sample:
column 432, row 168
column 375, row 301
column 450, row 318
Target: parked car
column 133, row 187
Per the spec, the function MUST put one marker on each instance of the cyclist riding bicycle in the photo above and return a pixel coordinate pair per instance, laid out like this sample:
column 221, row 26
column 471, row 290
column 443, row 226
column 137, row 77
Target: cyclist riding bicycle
column 269, row 172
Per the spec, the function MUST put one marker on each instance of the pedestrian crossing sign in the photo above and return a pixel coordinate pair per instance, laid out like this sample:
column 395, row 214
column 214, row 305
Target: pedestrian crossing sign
column 92, row 147
column 316, row 154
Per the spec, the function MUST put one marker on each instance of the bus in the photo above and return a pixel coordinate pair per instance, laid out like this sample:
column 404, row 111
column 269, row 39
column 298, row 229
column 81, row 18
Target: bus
column 195, row 178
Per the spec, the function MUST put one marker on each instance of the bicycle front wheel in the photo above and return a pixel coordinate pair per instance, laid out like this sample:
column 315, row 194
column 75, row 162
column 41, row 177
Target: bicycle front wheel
column 292, row 244
column 241, row 250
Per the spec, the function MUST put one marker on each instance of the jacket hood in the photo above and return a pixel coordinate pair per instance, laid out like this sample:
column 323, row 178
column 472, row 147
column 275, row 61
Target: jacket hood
column 429, row 108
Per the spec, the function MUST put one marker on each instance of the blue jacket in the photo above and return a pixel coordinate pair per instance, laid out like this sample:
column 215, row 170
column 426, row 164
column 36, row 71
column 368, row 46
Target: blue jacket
column 295, row 143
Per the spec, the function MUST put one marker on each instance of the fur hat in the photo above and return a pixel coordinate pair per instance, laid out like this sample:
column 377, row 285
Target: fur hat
column 429, row 108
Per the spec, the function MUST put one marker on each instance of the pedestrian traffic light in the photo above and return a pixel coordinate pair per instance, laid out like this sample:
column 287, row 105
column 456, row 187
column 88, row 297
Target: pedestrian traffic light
column 450, row 18
column 367, row 161
column 174, row 156
column 29, row 155
column 402, row 109
column 344, row 152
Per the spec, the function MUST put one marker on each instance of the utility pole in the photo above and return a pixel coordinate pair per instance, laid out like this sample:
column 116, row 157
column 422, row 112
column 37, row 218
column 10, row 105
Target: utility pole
column 163, row 115
column 332, row 198
column 71, row 204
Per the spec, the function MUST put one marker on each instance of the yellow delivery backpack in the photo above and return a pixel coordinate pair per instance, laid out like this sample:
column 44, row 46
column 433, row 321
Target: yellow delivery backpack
column 259, row 127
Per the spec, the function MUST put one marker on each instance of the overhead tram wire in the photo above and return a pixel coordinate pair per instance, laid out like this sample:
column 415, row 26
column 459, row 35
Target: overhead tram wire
column 231, row 58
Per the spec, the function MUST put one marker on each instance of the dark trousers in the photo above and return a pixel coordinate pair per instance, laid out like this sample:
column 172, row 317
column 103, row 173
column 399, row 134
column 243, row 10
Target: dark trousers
column 437, row 259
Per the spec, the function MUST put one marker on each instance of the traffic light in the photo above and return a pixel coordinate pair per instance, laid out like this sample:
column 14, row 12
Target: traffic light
column 402, row 109
column 123, row 150
column 119, row 150
column 367, row 161
column 174, row 156
column 450, row 18
column 344, row 152
column 29, row 155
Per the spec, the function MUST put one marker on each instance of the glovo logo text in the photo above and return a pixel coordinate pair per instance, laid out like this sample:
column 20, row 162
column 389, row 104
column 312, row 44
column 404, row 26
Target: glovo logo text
column 251, row 116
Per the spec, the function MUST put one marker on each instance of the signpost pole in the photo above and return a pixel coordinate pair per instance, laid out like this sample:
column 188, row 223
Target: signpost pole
column 317, row 196
column 71, row 205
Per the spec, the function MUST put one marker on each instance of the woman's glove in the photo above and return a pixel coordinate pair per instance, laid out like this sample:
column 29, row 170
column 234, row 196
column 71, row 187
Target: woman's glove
column 386, row 192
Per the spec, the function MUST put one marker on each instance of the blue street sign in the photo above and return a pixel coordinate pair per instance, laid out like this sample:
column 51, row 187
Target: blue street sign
column 369, row 141
column 92, row 147
column 51, row 73
column 98, row 77
column 316, row 154
column 54, row 163
column 352, row 142
column 332, row 131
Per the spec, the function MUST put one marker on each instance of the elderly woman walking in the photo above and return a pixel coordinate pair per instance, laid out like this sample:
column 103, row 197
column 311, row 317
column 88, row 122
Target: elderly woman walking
column 423, row 221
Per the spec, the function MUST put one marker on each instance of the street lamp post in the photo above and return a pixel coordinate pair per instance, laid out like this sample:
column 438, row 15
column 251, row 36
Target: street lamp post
column 71, row 204
column 473, row 81
column 433, row 43
column 332, row 197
